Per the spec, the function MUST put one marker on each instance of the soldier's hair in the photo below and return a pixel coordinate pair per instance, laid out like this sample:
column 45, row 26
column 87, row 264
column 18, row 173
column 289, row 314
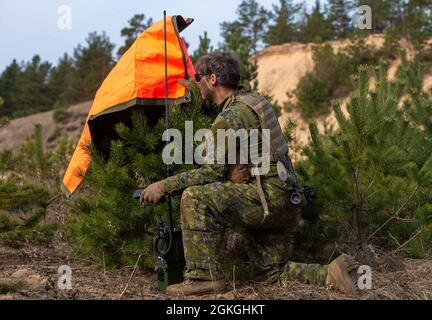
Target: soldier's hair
column 224, row 65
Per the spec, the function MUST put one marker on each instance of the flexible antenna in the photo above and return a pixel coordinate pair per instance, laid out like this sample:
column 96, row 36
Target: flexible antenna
column 170, row 222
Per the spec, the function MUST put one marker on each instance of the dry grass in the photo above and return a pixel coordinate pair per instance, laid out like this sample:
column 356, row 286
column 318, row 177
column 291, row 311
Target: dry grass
column 397, row 278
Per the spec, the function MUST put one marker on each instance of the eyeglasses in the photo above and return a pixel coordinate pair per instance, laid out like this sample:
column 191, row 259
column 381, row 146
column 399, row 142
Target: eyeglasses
column 199, row 76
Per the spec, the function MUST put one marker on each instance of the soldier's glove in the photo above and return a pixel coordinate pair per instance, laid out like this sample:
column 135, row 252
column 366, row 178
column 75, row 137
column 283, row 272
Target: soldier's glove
column 153, row 193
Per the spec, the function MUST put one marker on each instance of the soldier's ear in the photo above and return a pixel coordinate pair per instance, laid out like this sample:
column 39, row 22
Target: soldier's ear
column 213, row 79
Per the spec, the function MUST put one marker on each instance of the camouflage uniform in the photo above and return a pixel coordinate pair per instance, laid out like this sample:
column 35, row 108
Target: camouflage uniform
column 211, row 204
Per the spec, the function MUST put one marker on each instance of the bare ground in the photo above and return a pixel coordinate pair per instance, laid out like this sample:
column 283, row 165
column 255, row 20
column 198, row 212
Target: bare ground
column 32, row 273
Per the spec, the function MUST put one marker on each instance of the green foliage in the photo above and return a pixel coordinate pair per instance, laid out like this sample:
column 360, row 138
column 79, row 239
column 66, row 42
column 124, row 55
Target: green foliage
column 92, row 64
column 332, row 75
column 236, row 43
column 30, row 178
column 372, row 174
column 380, row 13
column 24, row 88
column 253, row 20
column 285, row 28
column 60, row 115
column 313, row 95
column 317, row 28
column 106, row 223
column 244, row 36
column 3, row 120
column 203, row 47
column 419, row 23
column 36, row 86
column 391, row 44
column 410, row 75
column 23, row 205
column 339, row 19
column 60, row 82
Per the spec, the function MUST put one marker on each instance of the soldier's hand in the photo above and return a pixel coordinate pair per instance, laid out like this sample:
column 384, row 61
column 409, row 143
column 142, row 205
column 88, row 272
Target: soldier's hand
column 153, row 193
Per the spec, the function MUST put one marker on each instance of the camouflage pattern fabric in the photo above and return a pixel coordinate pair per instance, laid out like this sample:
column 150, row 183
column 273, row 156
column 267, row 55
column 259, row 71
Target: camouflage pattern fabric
column 211, row 205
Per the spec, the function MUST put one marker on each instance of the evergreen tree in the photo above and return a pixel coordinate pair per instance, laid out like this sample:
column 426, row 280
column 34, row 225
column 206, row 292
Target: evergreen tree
column 236, row 43
column 30, row 179
column 203, row 47
column 372, row 174
column 61, row 80
column 10, row 88
column 418, row 21
column 419, row 105
column 285, row 27
column 35, row 95
column 107, row 224
column 318, row 27
column 3, row 120
column 382, row 14
column 391, row 43
column 339, row 19
column 253, row 20
column 92, row 64
column 137, row 24
column 396, row 15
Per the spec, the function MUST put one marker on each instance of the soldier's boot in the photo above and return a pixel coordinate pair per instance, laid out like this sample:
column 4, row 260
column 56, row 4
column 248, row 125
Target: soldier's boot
column 195, row 287
column 342, row 274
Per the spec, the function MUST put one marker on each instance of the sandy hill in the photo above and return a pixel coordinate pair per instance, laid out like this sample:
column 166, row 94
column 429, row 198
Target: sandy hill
column 280, row 68
column 18, row 130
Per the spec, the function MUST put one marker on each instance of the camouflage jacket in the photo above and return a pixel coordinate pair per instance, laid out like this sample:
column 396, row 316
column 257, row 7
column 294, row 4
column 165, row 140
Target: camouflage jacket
column 234, row 115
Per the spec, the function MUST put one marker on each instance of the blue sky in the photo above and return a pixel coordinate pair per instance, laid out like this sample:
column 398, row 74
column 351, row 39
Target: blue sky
column 29, row 27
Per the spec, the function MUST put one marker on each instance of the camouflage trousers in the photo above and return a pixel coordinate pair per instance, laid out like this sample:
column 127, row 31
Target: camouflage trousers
column 208, row 211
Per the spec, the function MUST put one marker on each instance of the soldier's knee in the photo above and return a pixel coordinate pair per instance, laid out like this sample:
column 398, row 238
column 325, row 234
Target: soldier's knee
column 189, row 197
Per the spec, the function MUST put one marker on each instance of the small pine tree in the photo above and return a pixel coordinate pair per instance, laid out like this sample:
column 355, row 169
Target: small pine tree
column 372, row 175
column 30, row 179
column 411, row 75
column 106, row 223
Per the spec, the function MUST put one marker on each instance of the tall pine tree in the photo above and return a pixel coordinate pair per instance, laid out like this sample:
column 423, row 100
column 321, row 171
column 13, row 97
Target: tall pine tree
column 318, row 27
column 35, row 95
column 339, row 19
column 10, row 88
column 253, row 20
column 238, row 44
column 285, row 28
column 92, row 64
column 61, row 80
